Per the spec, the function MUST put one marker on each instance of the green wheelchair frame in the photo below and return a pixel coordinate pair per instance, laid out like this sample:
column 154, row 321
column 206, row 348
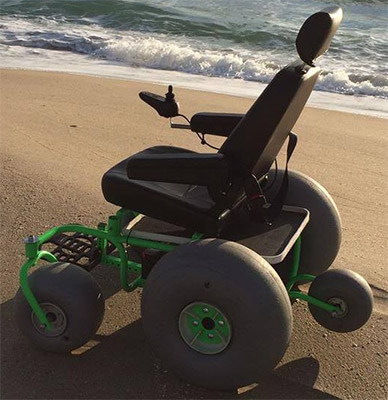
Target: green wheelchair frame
column 112, row 232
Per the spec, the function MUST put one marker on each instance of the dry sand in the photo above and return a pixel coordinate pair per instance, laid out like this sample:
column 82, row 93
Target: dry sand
column 60, row 133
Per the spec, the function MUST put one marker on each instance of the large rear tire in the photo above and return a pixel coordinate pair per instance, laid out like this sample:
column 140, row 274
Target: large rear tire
column 321, row 239
column 217, row 314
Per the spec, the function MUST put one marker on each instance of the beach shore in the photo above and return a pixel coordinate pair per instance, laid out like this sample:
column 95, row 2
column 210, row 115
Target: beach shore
column 60, row 132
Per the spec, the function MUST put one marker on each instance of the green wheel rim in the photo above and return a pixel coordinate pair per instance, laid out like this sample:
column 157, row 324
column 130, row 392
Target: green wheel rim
column 205, row 328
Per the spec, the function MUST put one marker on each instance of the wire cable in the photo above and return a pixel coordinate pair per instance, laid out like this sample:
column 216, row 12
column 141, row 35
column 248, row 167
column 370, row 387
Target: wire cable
column 200, row 136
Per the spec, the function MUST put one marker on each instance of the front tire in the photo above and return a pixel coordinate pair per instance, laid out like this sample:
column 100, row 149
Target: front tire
column 73, row 303
column 217, row 314
column 347, row 290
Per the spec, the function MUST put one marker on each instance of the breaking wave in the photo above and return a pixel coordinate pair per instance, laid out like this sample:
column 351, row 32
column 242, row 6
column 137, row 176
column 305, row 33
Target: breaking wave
column 166, row 52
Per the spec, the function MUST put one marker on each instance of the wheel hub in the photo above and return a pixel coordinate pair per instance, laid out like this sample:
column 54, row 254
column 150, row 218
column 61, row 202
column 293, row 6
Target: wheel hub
column 335, row 301
column 55, row 316
column 205, row 328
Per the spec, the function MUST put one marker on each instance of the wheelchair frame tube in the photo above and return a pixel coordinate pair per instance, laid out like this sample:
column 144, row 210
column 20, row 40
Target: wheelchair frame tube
column 304, row 278
column 112, row 233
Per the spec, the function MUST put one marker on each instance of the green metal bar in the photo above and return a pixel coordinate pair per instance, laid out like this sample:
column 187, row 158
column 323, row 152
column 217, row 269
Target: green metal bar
column 149, row 244
column 294, row 276
column 33, row 247
column 71, row 228
column 312, row 300
column 104, row 233
column 196, row 236
column 114, row 225
column 23, row 276
column 302, row 278
column 132, row 266
column 102, row 243
column 114, row 239
column 115, row 262
column 113, row 235
column 117, row 241
column 123, row 213
column 295, row 264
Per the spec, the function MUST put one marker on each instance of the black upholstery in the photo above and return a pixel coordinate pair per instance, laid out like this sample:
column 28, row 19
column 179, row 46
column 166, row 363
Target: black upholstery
column 201, row 191
column 316, row 33
column 219, row 124
column 180, row 204
column 255, row 142
column 179, row 167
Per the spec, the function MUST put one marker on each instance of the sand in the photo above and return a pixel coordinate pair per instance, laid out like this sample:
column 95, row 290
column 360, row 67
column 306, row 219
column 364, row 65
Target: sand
column 61, row 132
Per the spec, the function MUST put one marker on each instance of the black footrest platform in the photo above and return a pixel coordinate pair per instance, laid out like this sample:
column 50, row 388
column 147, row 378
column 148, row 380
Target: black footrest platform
column 272, row 242
column 75, row 248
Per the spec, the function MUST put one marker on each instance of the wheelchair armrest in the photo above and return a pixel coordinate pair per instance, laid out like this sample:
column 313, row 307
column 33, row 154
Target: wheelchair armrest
column 189, row 168
column 219, row 124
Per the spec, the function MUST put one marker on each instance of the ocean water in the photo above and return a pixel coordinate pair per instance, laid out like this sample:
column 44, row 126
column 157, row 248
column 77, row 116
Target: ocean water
column 222, row 45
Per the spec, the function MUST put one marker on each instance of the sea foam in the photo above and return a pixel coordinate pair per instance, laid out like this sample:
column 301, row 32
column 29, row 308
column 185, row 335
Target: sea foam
column 47, row 38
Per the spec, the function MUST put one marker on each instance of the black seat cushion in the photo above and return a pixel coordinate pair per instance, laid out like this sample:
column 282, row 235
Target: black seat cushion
column 180, row 204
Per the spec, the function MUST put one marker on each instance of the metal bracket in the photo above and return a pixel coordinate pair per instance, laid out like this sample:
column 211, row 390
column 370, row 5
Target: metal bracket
column 173, row 125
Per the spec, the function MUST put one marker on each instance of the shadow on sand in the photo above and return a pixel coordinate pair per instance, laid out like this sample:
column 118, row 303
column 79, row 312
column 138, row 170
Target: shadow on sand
column 122, row 365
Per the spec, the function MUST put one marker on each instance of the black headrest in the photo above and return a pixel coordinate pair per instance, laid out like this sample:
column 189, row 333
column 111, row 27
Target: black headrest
column 315, row 35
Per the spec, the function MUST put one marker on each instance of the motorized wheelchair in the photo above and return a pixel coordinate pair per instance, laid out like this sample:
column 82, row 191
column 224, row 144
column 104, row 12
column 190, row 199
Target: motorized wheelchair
column 221, row 242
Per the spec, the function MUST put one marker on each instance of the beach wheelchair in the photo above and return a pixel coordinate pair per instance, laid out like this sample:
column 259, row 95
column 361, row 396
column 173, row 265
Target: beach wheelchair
column 223, row 243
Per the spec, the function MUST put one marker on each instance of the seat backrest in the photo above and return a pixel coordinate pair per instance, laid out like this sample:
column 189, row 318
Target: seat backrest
column 256, row 141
